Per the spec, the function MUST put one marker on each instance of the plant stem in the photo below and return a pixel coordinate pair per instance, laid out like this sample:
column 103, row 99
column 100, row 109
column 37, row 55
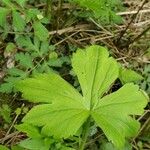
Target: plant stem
column 85, row 134
column 132, row 19
column 48, row 10
column 139, row 36
column 59, row 13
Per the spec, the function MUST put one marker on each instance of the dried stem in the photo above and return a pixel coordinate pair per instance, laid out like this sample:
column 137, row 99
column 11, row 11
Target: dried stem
column 132, row 19
column 139, row 36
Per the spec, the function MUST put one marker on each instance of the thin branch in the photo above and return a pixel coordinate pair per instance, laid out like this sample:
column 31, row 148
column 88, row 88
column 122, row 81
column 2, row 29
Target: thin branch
column 132, row 19
column 133, row 12
column 139, row 36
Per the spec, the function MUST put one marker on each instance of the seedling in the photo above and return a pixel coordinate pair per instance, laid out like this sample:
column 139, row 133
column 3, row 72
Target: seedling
column 63, row 110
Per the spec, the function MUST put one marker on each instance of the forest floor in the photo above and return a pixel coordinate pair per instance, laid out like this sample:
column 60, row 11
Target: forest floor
column 128, row 42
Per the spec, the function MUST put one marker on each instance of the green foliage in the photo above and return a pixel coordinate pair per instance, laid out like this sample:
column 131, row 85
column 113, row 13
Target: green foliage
column 5, row 112
column 3, row 13
column 65, row 110
column 31, row 131
column 128, row 75
column 39, row 141
column 3, row 147
column 40, row 31
column 18, row 22
column 37, row 144
column 145, row 84
column 28, row 62
column 21, row 2
column 30, row 48
column 24, row 22
column 103, row 9
column 62, row 110
column 110, row 146
column 10, row 47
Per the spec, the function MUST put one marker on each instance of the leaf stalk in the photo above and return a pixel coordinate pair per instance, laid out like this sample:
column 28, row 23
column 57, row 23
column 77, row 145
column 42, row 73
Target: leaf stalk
column 85, row 134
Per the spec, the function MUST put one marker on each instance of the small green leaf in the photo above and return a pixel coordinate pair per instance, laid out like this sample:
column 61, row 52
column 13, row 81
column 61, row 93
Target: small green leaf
column 128, row 75
column 102, row 9
column 10, row 47
column 34, row 144
column 53, row 55
column 40, row 31
column 53, row 62
column 5, row 112
column 2, row 147
column 16, row 147
column 44, row 48
column 32, row 131
column 9, row 4
column 110, row 146
column 6, row 87
column 25, row 42
column 31, row 14
column 21, row 2
column 25, row 60
column 16, row 72
column 3, row 16
column 18, row 111
column 18, row 22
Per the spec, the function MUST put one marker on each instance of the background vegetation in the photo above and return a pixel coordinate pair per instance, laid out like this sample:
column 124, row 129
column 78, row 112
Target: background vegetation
column 40, row 36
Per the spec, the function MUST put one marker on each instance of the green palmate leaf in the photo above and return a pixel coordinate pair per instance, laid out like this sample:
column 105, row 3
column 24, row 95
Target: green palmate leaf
column 65, row 110
column 48, row 88
column 62, row 120
column 96, row 72
column 112, row 113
